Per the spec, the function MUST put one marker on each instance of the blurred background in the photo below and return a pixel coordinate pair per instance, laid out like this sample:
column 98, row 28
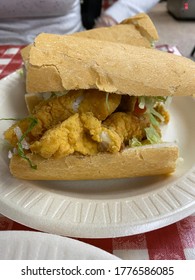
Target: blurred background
column 175, row 22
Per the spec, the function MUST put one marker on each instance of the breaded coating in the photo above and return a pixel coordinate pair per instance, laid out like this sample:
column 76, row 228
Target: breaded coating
column 84, row 122
column 58, row 109
column 128, row 125
column 164, row 113
column 11, row 136
column 85, row 134
column 55, row 110
column 82, row 133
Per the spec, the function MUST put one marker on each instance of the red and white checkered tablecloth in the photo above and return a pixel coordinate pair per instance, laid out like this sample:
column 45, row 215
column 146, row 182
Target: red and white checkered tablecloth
column 10, row 59
column 173, row 242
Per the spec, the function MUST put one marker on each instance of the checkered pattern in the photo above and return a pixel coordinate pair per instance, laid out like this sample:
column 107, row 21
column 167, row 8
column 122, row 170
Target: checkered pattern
column 173, row 242
column 10, row 59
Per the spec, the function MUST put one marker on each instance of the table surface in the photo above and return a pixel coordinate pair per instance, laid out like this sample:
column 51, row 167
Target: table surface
column 176, row 241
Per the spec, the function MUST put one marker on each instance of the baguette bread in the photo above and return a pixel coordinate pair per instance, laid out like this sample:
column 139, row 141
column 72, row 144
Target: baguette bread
column 68, row 62
column 138, row 30
column 132, row 162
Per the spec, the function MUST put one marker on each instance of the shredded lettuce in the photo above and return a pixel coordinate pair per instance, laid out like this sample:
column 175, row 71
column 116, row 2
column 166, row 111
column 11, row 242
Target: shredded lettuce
column 156, row 114
column 150, row 101
column 21, row 72
column 9, row 119
column 52, row 94
column 152, row 135
column 153, row 120
column 134, row 142
column 59, row 93
column 152, row 43
column 20, row 148
column 21, row 153
column 142, row 102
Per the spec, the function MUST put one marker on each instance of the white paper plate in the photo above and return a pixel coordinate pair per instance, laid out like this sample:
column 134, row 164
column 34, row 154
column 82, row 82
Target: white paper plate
column 29, row 245
column 104, row 208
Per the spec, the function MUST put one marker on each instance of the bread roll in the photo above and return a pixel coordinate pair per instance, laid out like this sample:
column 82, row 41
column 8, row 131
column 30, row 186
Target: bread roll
column 131, row 162
column 68, row 62
column 138, row 30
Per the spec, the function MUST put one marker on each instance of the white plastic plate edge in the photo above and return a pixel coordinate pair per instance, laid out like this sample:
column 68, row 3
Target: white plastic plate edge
column 29, row 245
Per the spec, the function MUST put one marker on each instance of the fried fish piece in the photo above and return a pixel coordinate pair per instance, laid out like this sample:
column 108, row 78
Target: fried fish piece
column 127, row 125
column 55, row 110
column 82, row 133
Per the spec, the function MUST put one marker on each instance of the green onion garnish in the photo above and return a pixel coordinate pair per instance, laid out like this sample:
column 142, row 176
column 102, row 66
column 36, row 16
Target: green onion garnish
column 21, row 152
column 9, row 119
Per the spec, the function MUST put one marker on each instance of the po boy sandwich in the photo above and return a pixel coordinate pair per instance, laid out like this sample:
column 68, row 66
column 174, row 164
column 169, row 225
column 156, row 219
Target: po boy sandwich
column 103, row 115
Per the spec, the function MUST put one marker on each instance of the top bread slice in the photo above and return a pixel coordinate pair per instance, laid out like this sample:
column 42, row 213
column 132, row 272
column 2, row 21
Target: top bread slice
column 138, row 30
column 60, row 62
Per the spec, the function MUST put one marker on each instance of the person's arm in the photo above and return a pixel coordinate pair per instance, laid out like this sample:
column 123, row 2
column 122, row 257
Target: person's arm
column 123, row 9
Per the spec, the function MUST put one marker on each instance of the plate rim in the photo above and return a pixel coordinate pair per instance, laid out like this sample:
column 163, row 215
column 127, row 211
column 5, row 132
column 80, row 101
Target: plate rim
column 33, row 236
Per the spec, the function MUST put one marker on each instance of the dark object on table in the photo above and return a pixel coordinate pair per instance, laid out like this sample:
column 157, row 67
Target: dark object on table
column 182, row 9
column 192, row 55
column 90, row 11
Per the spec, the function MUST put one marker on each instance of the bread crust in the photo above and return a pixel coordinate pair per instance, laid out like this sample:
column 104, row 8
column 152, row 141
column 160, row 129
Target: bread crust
column 132, row 162
column 69, row 62
column 144, row 25
column 138, row 30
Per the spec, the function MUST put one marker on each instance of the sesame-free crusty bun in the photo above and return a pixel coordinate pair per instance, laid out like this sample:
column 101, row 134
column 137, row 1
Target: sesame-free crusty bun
column 58, row 63
column 138, row 30
column 131, row 162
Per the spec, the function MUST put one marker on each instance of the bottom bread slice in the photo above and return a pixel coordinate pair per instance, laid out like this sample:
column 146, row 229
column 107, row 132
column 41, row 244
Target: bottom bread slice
column 132, row 162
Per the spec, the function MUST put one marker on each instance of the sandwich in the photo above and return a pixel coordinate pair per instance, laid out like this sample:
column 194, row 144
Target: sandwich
column 101, row 108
